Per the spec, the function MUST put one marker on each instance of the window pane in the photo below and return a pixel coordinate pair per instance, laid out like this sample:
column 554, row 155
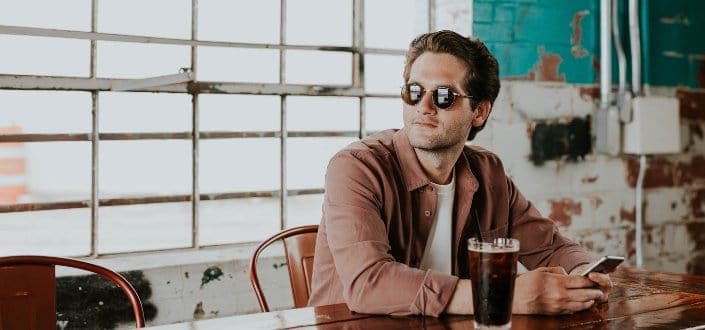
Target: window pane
column 53, row 171
column 238, row 220
column 29, row 56
column 36, row 233
column 384, row 73
column 304, row 210
column 239, row 112
column 316, row 113
column 145, row 112
column 130, row 60
column 156, row 18
column 75, row 15
column 133, row 168
column 144, row 227
column 307, row 159
column 380, row 33
column 227, row 21
column 312, row 67
column 239, row 165
column 46, row 111
column 238, row 65
column 383, row 113
column 303, row 28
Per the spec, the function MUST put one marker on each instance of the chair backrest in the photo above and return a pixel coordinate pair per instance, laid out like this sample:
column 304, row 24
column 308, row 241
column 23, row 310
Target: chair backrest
column 299, row 246
column 28, row 290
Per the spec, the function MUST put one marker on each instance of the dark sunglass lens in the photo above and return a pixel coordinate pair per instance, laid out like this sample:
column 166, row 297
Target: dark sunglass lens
column 415, row 93
column 443, row 97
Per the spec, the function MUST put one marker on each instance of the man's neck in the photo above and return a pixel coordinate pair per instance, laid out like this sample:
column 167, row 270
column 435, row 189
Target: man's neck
column 438, row 164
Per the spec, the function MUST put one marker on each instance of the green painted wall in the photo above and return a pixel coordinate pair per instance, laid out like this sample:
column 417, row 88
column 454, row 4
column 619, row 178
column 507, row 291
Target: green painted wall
column 676, row 43
column 558, row 40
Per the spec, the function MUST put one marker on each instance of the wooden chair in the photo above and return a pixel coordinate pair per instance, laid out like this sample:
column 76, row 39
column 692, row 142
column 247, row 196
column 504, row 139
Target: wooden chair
column 28, row 290
column 299, row 245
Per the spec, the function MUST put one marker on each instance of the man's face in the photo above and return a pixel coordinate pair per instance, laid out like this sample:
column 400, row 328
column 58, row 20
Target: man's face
column 429, row 127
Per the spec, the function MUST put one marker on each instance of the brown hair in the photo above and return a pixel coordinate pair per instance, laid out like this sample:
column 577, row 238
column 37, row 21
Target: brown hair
column 482, row 77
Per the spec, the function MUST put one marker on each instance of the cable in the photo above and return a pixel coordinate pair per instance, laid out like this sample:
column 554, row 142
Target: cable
column 638, row 205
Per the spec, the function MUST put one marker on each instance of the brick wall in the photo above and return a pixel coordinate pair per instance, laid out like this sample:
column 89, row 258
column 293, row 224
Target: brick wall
column 549, row 60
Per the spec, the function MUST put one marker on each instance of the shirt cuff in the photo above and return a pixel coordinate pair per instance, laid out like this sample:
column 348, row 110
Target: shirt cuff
column 434, row 294
column 575, row 259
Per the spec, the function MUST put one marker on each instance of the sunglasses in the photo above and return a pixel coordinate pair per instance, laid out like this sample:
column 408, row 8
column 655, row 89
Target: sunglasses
column 443, row 96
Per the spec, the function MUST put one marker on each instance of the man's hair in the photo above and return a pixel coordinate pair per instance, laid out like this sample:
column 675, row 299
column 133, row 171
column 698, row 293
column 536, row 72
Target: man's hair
column 482, row 76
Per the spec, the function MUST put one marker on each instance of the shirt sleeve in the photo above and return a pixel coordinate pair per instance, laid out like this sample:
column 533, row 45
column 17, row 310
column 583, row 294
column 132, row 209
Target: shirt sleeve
column 542, row 245
column 373, row 281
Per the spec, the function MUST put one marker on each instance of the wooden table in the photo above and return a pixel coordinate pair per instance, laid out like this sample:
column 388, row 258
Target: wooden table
column 641, row 299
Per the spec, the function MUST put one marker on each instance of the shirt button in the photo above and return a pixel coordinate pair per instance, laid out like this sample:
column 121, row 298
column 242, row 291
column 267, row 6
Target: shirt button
column 427, row 213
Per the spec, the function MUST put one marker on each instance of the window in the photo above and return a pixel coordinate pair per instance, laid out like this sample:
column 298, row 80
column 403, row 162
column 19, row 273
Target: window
column 97, row 141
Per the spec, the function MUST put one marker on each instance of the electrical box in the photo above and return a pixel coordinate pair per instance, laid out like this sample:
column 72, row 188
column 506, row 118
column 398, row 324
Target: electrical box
column 655, row 127
column 607, row 131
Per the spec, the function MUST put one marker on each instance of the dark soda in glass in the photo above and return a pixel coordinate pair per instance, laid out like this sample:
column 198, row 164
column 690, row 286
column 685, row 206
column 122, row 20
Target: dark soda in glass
column 493, row 267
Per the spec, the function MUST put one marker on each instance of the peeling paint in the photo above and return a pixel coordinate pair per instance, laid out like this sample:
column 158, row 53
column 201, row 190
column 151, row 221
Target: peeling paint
column 672, row 54
column 659, row 172
column 547, row 68
column 692, row 103
column 679, row 19
column 198, row 312
column 589, row 93
column 697, row 203
column 530, row 129
column 577, row 49
column 627, row 215
column 210, row 274
column 589, row 179
column 691, row 171
column 596, row 202
column 562, row 210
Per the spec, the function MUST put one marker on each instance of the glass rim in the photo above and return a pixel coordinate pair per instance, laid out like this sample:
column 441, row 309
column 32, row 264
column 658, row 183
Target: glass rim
column 497, row 245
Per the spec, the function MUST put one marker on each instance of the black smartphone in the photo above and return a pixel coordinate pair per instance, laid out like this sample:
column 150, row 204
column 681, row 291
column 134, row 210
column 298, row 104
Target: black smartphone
column 605, row 265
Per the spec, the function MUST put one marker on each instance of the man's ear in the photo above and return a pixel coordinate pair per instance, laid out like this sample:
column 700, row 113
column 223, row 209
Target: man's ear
column 482, row 112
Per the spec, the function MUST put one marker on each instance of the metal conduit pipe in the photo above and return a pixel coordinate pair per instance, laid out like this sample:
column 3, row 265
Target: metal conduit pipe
column 623, row 99
column 635, row 41
column 605, row 55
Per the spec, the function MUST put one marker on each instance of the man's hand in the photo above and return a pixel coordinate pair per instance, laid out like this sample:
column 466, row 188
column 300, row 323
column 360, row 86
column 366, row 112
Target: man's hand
column 603, row 280
column 550, row 290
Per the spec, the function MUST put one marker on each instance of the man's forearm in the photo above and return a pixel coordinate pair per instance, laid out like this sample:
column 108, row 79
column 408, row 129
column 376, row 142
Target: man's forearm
column 461, row 301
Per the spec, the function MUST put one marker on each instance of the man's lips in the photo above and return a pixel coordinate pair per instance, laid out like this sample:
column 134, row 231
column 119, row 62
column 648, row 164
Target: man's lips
column 425, row 123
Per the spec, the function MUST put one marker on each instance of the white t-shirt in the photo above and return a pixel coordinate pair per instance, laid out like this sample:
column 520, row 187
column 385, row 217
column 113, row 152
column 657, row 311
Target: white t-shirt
column 437, row 255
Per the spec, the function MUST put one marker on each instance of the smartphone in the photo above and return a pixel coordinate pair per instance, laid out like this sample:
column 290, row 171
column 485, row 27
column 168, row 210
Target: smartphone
column 605, row 265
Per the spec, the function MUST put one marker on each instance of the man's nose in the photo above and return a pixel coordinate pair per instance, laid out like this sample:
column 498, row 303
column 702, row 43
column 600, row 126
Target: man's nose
column 426, row 105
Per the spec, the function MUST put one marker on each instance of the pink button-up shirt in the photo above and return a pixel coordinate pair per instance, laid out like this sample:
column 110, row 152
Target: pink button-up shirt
column 378, row 209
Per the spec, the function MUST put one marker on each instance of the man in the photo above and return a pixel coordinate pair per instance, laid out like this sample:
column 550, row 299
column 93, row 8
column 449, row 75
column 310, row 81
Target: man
column 400, row 205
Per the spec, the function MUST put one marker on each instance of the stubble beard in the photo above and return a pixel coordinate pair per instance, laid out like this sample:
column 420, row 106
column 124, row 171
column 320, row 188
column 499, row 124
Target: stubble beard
column 435, row 143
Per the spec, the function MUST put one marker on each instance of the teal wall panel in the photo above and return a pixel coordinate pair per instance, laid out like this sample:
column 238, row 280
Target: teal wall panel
column 524, row 34
column 676, row 44
column 540, row 39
